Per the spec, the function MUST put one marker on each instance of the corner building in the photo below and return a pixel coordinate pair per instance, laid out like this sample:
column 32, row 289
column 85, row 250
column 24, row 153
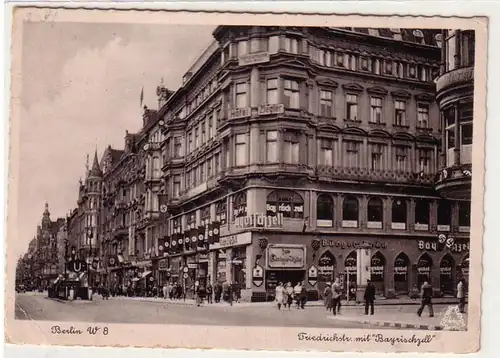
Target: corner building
column 305, row 144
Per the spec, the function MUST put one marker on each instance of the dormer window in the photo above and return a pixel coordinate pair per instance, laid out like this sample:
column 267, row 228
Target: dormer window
column 419, row 36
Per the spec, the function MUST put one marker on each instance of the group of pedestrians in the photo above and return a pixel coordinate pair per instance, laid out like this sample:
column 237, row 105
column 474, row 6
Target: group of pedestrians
column 286, row 294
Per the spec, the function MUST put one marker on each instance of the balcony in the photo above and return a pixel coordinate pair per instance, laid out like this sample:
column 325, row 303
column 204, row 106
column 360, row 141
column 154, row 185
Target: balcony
column 453, row 79
column 455, row 182
column 368, row 175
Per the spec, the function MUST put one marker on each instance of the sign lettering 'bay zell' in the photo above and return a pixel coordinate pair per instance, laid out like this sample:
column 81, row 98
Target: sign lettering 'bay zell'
column 294, row 139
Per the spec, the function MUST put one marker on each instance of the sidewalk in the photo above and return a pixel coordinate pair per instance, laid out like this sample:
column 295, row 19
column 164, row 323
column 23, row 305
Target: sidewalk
column 378, row 302
column 408, row 320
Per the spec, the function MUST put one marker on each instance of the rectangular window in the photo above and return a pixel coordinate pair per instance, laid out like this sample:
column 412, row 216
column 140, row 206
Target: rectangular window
column 352, row 62
column 399, row 113
column 352, row 107
column 424, row 160
column 326, row 152
column 450, row 138
column 272, row 91
column 291, row 93
column 466, row 129
column 242, row 48
column 210, row 129
column 291, row 45
column 271, row 146
column 197, row 137
column 202, row 173
column 376, row 66
column 326, row 103
column 241, row 150
column 177, row 147
column 376, row 110
column 339, row 59
column 291, row 148
column 216, row 163
column 191, row 146
column 203, row 132
column 352, row 154
column 423, row 115
column 241, row 95
column 209, row 167
column 401, row 159
column 376, row 157
column 274, row 42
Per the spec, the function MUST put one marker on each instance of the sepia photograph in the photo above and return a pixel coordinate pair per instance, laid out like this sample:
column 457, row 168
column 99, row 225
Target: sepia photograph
column 234, row 173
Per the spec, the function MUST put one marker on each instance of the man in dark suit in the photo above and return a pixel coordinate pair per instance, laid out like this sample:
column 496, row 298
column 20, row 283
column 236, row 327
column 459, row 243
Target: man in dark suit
column 369, row 297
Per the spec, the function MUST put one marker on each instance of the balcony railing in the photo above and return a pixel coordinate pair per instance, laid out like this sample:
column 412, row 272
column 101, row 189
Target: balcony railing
column 362, row 174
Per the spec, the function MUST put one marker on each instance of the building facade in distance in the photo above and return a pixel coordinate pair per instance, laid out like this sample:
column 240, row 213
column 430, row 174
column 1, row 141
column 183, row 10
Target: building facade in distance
column 304, row 144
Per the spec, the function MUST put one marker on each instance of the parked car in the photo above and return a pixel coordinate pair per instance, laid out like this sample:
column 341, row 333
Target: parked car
column 20, row 288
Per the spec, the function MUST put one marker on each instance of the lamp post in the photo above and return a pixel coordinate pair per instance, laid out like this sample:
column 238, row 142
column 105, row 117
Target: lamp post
column 90, row 235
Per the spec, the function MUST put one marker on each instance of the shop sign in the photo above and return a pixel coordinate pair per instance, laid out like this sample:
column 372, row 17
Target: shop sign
column 377, row 270
column 239, row 113
column 253, row 58
column 374, row 225
column 349, row 223
column 286, row 256
column 326, row 270
column 312, row 275
column 423, row 270
column 266, row 109
column 162, row 264
column 259, row 220
column 235, row 240
column 442, row 243
column 192, row 266
column 445, row 271
column 258, row 275
column 285, row 208
column 398, row 226
column 400, row 270
column 342, row 244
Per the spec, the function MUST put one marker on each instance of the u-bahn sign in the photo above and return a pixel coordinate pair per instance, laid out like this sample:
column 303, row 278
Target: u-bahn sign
column 77, row 266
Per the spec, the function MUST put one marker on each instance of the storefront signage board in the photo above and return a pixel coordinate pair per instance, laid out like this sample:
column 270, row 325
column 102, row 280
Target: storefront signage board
column 286, row 256
column 342, row 244
column 235, row 240
column 259, row 220
column 253, row 58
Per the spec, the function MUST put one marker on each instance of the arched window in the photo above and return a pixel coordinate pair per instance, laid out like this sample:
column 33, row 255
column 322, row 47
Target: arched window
column 398, row 215
column 465, row 267
column 240, row 205
column 375, row 213
column 422, row 214
column 424, row 267
column 444, row 216
column 286, row 202
column 351, row 267
column 377, row 270
column 325, row 211
column 464, row 215
column 205, row 215
column 446, row 274
column 350, row 212
column 401, row 264
column 327, row 264
column 221, row 211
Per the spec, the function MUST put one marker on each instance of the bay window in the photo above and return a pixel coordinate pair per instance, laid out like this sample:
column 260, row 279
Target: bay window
column 291, row 93
column 291, row 148
column 241, row 150
column 272, row 91
column 271, row 146
column 326, row 152
column 241, row 95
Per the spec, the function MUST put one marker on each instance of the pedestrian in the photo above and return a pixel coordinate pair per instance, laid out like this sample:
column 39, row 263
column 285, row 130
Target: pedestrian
column 237, row 292
column 303, row 295
column 369, row 298
column 336, row 293
column 279, row 295
column 230, row 289
column 165, row 291
column 200, row 294
column 225, row 291
column 426, row 295
column 461, row 295
column 217, row 292
column 209, row 293
column 327, row 296
column 289, row 295
column 296, row 294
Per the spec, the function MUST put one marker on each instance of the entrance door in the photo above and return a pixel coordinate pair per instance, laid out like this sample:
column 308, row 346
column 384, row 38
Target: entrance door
column 446, row 275
column 401, row 264
column 274, row 276
column 377, row 268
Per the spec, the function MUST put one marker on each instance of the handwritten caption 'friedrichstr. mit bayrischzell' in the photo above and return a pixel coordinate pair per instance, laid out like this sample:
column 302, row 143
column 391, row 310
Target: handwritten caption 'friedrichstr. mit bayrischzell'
column 367, row 338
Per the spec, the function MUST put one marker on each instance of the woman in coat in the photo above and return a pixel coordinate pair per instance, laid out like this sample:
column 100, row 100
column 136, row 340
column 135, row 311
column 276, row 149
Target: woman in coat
column 280, row 295
column 327, row 295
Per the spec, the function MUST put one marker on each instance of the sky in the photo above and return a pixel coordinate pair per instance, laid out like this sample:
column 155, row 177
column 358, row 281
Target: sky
column 81, row 87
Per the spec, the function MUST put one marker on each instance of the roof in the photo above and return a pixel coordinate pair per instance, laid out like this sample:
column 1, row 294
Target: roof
column 96, row 170
column 430, row 37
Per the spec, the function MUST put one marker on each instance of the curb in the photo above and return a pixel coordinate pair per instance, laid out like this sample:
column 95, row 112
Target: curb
column 68, row 301
column 390, row 324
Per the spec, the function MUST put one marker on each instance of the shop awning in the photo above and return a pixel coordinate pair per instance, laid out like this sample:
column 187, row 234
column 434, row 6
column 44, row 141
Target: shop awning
column 146, row 273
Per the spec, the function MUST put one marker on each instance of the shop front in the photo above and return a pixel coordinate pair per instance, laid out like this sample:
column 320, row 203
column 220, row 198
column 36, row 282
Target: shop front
column 397, row 265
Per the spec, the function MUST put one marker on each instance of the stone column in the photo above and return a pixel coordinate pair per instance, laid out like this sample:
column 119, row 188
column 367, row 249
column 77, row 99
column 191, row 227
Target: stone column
column 254, row 144
column 229, row 265
column 255, row 90
column 252, row 201
column 249, row 267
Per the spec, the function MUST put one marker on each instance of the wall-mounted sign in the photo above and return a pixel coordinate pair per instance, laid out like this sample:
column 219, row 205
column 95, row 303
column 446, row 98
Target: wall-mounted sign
column 258, row 275
column 342, row 244
column 253, row 58
column 235, row 240
column 162, row 264
column 259, row 220
column 266, row 109
column 286, row 256
column 238, row 113
column 312, row 275
column 450, row 243
column 284, row 208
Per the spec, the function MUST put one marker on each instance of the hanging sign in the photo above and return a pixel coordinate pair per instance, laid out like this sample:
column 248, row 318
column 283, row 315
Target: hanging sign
column 312, row 275
column 258, row 275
